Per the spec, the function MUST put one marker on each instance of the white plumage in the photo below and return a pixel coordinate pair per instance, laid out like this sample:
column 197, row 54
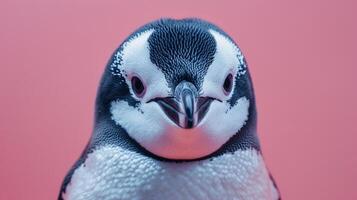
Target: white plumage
column 112, row 173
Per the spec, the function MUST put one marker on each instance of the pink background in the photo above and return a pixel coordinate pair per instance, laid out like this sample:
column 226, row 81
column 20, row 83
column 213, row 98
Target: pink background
column 302, row 56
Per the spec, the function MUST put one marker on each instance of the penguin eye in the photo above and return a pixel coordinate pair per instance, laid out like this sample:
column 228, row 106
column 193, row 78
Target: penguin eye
column 228, row 83
column 138, row 86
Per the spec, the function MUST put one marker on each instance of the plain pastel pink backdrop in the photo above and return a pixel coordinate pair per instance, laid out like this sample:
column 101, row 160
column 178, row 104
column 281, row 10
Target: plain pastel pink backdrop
column 302, row 56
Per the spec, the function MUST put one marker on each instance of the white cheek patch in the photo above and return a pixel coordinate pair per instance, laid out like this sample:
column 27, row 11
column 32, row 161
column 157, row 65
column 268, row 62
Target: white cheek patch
column 134, row 60
column 145, row 125
column 223, row 121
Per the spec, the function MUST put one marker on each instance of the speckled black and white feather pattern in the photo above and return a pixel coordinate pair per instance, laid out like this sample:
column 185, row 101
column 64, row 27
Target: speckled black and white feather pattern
column 183, row 50
column 182, row 44
column 112, row 173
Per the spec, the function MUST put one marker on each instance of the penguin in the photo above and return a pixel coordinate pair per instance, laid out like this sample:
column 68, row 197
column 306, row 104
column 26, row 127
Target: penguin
column 175, row 118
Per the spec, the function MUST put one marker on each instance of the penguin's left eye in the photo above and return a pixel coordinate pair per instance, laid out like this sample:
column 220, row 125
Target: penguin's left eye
column 138, row 86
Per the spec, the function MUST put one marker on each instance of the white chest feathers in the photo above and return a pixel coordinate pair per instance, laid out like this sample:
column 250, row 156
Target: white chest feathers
column 112, row 173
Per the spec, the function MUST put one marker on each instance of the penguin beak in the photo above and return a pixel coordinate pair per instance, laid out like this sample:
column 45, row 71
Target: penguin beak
column 185, row 109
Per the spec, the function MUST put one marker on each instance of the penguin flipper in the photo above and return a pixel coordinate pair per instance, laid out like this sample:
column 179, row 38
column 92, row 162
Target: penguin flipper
column 68, row 177
column 275, row 186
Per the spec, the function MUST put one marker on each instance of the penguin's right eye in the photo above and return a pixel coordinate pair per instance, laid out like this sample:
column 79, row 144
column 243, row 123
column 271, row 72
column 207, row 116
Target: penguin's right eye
column 228, row 84
column 138, row 86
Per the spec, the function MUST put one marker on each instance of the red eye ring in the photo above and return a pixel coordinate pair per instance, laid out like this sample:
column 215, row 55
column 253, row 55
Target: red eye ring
column 228, row 84
column 138, row 86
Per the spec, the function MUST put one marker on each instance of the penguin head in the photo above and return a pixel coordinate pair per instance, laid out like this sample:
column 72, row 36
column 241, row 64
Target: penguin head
column 180, row 89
